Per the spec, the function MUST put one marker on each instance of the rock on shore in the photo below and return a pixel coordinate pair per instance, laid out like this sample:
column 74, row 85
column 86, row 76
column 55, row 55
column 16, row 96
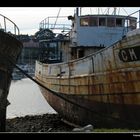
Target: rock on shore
column 37, row 123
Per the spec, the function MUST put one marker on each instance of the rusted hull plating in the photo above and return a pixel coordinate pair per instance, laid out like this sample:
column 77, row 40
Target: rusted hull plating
column 106, row 82
column 98, row 113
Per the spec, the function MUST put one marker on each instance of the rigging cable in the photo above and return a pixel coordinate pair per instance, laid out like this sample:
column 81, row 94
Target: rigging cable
column 57, row 17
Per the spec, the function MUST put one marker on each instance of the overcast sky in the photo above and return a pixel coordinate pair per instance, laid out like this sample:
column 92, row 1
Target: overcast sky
column 28, row 18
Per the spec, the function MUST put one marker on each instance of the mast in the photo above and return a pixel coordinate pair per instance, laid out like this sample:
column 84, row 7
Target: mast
column 77, row 11
column 57, row 17
column 115, row 10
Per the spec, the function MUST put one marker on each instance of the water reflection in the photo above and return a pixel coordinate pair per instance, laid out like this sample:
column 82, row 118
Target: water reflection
column 26, row 99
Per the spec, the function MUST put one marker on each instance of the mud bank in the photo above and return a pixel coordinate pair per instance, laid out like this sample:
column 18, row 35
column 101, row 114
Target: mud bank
column 37, row 123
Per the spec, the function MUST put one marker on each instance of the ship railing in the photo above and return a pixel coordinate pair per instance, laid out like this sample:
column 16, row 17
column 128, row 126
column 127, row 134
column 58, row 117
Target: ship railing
column 131, row 26
column 8, row 25
column 50, row 23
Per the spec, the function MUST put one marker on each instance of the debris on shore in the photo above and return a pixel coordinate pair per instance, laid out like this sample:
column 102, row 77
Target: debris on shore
column 38, row 123
column 52, row 123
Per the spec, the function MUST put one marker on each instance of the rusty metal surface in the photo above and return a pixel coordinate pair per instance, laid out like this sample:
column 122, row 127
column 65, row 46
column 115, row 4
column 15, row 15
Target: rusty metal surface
column 104, row 72
column 108, row 80
column 97, row 116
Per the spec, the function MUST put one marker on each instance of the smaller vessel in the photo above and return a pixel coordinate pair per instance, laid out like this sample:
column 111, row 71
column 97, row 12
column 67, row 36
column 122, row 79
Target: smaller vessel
column 10, row 49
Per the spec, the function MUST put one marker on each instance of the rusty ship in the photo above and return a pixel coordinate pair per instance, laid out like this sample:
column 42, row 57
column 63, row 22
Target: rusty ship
column 91, row 74
column 10, row 49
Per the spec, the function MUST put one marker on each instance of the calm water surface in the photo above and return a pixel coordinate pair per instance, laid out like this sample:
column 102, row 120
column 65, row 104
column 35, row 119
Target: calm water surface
column 26, row 99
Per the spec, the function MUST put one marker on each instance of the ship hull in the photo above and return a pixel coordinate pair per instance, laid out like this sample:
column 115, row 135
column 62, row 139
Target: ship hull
column 107, row 115
column 102, row 89
column 10, row 49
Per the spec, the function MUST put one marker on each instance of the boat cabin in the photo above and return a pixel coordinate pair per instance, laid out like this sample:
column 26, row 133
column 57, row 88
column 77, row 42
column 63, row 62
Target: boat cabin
column 54, row 50
column 90, row 33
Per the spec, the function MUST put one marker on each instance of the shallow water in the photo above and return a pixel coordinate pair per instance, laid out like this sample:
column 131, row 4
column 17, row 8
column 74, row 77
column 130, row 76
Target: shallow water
column 26, row 99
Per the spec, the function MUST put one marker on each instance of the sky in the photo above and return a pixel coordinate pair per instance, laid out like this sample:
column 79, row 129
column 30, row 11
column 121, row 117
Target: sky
column 28, row 18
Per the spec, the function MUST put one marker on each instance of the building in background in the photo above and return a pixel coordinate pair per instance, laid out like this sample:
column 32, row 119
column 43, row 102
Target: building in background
column 30, row 50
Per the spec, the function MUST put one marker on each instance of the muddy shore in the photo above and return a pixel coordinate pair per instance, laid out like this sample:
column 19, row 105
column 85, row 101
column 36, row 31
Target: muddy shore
column 38, row 123
column 47, row 123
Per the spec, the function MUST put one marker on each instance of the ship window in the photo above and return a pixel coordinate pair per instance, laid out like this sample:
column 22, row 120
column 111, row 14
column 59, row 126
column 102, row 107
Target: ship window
column 80, row 53
column 110, row 22
column 49, row 51
column 119, row 22
column 133, row 24
column 93, row 21
column 53, row 51
column 127, row 23
column 84, row 21
column 102, row 22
